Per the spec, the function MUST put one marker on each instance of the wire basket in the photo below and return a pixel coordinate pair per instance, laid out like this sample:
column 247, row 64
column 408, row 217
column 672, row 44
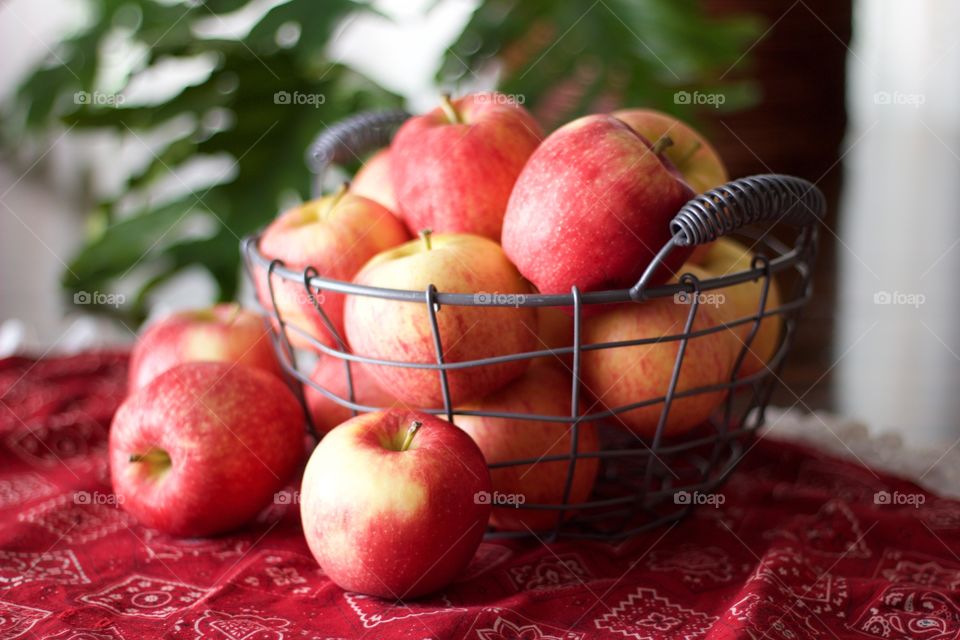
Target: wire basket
column 642, row 483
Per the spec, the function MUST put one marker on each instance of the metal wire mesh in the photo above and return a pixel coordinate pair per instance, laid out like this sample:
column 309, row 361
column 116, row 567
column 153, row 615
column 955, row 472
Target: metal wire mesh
column 643, row 482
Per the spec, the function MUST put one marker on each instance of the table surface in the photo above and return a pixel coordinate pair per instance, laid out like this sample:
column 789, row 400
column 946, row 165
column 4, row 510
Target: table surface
column 805, row 545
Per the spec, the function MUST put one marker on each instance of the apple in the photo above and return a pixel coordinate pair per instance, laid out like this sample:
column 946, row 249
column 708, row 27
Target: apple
column 619, row 376
column 543, row 390
column 724, row 257
column 222, row 333
column 453, row 168
column 389, row 503
column 555, row 331
column 330, row 373
column 400, row 331
column 373, row 180
column 336, row 235
column 690, row 153
column 693, row 156
column 204, row 446
column 592, row 207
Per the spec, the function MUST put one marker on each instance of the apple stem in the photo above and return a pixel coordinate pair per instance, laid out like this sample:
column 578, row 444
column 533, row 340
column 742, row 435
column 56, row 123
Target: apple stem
column 411, row 431
column 448, row 109
column 157, row 456
column 235, row 309
column 662, row 144
column 335, row 198
column 425, row 236
column 689, row 154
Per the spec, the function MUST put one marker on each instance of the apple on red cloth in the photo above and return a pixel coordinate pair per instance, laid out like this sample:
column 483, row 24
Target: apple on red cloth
column 204, row 446
column 224, row 333
column 389, row 503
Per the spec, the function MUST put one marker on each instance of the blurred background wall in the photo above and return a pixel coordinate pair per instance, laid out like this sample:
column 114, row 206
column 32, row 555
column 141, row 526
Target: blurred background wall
column 859, row 97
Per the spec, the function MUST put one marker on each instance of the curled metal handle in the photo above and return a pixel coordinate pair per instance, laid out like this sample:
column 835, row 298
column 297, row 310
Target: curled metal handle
column 767, row 198
column 351, row 138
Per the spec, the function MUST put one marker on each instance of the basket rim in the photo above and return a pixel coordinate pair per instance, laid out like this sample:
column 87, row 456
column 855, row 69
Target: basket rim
column 789, row 257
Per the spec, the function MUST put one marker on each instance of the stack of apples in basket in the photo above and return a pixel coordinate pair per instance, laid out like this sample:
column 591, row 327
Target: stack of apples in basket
column 470, row 198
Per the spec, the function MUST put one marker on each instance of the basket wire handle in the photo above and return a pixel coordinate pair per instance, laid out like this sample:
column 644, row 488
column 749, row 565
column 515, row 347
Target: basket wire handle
column 762, row 199
column 349, row 139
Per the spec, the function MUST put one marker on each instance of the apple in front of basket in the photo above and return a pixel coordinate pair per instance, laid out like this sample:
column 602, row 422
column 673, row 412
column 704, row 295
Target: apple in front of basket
column 392, row 503
column 204, row 446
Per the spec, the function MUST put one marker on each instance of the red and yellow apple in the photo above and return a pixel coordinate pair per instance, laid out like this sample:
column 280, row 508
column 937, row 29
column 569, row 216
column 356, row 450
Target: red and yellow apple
column 389, row 503
column 693, row 156
column 400, row 331
column 222, row 333
column 555, row 331
column 592, row 207
column 204, row 446
column 335, row 235
column 453, row 168
column 624, row 375
column 543, row 390
column 724, row 257
column 373, row 180
column 690, row 153
column 330, row 373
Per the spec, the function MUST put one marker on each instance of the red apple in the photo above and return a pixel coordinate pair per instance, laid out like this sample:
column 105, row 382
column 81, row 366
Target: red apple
column 620, row 376
column 724, row 257
column 204, row 446
column 401, row 331
column 223, row 333
column 373, row 180
column 690, row 153
column 555, row 331
column 454, row 167
column 543, row 390
column 330, row 374
column 592, row 207
column 336, row 235
column 693, row 156
column 389, row 503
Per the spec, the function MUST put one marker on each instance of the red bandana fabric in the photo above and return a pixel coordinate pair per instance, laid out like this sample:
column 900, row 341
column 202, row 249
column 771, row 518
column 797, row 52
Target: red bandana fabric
column 803, row 546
